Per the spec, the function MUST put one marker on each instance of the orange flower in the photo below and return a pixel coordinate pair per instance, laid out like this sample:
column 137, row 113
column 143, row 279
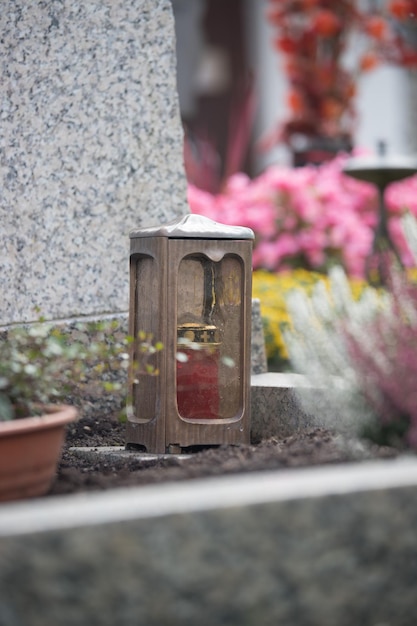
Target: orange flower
column 326, row 23
column 312, row 36
column 295, row 102
column 286, row 45
column 401, row 9
column 376, row 27
column 368, row 62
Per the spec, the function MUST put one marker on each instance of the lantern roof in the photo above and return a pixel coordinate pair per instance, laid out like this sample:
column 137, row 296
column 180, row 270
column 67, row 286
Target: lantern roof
column 194, row 227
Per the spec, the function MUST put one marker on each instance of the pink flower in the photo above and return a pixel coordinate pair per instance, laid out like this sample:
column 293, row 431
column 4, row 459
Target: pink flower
column 400, row 242
column 237, row 183
column 402, row 196
column 202, row 202
column 317, row 214
column 266, row 255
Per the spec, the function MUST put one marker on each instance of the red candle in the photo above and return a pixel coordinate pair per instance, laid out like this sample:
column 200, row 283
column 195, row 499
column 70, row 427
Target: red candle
column 198, row 376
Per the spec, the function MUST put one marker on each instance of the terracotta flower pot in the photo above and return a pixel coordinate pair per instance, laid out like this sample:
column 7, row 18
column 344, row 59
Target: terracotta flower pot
column 29, row 452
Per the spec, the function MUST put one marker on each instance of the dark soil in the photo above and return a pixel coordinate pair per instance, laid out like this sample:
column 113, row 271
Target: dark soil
column 314, row 447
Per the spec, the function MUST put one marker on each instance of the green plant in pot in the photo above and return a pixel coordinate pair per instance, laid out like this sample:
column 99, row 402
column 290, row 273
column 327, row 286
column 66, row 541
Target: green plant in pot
column 42, row 369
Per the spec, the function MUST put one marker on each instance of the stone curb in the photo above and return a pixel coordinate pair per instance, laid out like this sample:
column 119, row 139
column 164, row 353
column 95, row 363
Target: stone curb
column 311, row 547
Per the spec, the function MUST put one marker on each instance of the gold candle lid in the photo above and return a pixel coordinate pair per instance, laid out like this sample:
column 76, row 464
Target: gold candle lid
column 203, row 334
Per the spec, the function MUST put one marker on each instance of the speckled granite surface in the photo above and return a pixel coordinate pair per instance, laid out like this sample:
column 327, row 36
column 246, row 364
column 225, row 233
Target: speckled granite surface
column 329, row 546
column 90, row 147
column 276, row 410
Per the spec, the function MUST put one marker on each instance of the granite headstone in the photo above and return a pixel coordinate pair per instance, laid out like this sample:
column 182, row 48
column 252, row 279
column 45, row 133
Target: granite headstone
column 90, row 147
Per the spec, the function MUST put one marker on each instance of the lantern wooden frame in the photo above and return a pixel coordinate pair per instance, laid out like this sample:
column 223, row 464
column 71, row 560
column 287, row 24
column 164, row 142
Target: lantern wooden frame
column 160, row 262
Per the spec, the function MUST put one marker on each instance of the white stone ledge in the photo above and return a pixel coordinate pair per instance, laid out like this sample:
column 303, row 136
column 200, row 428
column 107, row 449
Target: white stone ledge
column 243, row 490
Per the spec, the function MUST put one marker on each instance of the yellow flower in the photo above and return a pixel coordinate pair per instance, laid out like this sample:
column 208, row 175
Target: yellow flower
column 271, row 289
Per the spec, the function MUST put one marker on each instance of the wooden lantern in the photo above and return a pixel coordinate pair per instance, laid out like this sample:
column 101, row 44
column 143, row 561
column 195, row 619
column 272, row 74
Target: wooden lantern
column 190, row 287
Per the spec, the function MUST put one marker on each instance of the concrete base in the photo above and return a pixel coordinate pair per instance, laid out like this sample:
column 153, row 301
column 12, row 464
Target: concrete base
column 324, row 547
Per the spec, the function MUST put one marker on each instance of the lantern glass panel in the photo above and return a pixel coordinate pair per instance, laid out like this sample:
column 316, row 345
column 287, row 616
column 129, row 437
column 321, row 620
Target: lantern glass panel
column 209, row 324
column 144, row 387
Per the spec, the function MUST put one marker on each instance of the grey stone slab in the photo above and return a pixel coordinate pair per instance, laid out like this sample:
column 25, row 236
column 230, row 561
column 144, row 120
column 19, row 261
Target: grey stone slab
column 275, row 408
column 90, row 148
column 323, row 547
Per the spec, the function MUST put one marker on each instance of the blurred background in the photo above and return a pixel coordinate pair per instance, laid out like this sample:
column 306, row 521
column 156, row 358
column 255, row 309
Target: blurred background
column 225, row 47
column 275, row 97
